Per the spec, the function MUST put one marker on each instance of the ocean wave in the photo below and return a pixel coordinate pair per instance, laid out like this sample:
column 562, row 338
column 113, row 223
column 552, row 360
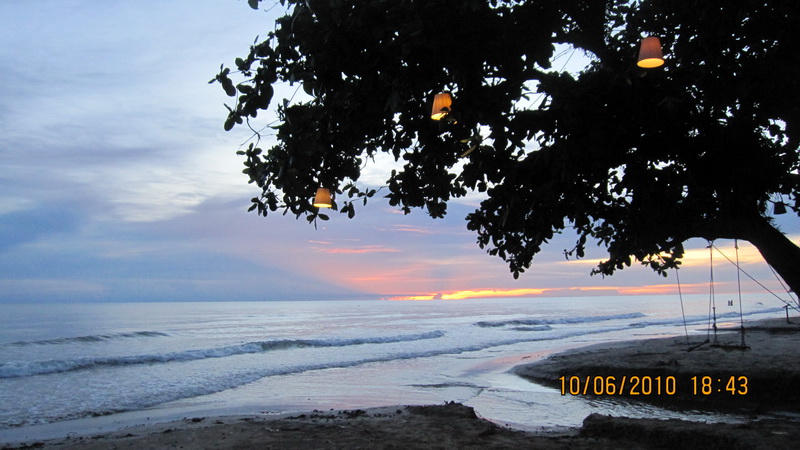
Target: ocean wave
column 234, row 380
column 702, row 319
column 91, row 338
column 560, row 321
column 534, row 328
column 19, row 369
column 239, row 378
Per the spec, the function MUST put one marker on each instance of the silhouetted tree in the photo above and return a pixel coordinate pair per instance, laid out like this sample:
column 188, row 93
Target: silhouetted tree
column 635, row 160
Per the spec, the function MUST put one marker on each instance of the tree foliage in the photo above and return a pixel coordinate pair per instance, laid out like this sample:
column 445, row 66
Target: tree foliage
column 637, row 161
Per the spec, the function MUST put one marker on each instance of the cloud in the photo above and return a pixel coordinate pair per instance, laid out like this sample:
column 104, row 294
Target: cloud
column 23, row 226
column 111, row 103
column 362, row 249
column 119, row 183
column 198, row 257
column 37, row 290
column 404, row 228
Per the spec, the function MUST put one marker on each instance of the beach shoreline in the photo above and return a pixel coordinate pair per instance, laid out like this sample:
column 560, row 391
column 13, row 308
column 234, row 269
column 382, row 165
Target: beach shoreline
column 703, row 372
column 769, row 363
column 451, row 425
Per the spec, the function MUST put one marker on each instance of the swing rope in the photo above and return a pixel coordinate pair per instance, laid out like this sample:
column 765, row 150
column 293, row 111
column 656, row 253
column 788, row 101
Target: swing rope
column 683, row 311
column 712, row 305
column 689, row 346
column 788, row 304
column 785, row 302
column 739, row 286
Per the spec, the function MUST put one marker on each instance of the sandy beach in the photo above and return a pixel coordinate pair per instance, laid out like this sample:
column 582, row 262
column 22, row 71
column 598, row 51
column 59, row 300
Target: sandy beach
column 449, row 426
column 764, row 375
column 757, row 380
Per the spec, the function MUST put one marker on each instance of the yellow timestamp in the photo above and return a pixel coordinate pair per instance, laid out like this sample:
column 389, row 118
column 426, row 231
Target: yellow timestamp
column 707, row 385
column 611, row 385
column 638, row 385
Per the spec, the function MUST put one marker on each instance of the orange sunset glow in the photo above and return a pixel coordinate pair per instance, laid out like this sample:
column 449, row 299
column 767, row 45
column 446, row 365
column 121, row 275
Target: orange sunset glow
column 655, row 289
column 396, row 272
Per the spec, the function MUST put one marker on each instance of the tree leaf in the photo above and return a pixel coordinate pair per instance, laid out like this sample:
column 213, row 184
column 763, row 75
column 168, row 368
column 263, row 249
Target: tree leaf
column 635, row 160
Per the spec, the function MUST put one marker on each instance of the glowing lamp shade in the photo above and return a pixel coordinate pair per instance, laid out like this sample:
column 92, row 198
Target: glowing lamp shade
column 323, row 198
column 441, row 105
column 650, row 55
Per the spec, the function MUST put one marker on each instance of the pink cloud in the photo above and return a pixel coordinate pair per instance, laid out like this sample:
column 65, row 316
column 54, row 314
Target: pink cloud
column 406, row 229
column 362, row 249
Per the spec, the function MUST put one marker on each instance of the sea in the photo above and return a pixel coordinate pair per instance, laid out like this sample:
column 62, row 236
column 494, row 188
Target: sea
column 78, row 366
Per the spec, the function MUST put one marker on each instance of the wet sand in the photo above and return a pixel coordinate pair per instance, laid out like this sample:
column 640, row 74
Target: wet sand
column 720, row 374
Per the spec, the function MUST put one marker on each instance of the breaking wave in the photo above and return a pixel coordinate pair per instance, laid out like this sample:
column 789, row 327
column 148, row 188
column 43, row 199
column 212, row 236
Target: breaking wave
column 92, row 338
column 24, row 369
column 560, row 321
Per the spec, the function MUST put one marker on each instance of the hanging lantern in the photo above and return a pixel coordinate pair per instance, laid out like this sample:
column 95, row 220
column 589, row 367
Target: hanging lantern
column 650, row 55
column 779, row 208
column 323, row 198
column 441, row 105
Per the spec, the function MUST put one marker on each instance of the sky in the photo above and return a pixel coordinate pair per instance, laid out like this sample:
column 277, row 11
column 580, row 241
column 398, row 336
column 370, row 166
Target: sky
column 118, row 182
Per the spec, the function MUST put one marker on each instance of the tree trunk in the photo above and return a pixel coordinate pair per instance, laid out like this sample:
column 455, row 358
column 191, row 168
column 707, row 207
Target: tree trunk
column 778, row 251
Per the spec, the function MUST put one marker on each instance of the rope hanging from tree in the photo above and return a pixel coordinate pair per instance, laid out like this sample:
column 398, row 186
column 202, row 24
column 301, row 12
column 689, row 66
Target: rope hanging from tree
column 739, row 288
column 712, row 305
column 795, row 305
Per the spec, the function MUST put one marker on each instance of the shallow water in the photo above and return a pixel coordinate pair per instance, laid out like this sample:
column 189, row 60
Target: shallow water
column 63, row 362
